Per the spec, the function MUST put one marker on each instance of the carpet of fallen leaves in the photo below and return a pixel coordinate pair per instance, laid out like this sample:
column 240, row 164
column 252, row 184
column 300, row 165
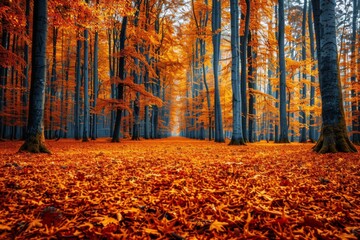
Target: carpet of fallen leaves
column 178, row 189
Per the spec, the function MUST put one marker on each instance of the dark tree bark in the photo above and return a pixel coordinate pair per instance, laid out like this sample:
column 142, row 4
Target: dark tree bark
column 303, row 137
column 237, row 136
column 3, row 77
column 251, row 86
column 34, row 142
column 243, row 57
column 96, row 85
column 77, row 90
column 120, row 86
column 313, row 67
column 216, row 31
column 333, row 136
column 26, row 70
column 53, row 82
column 85, row 136
column 284, row 138
column 354, row 80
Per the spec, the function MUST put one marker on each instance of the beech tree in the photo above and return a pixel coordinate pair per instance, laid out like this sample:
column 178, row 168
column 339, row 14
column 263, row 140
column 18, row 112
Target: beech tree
column 216, row 38
column 334, row 136
column 34, row 141
column 284, row 138
column 237, row 135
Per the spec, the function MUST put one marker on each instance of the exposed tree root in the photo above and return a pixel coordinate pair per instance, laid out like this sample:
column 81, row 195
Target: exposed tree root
column 283, row 140
column 238, row 141
column 332, row 140
column 34, row 145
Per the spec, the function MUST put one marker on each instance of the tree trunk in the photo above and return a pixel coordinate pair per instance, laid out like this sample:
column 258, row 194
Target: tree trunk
column 281, row 42
column 53, row 83
column 120, row 86
column 77, row 90
column 96, row 84
column 303, row 137
column 237, row 135
column 333, row 136
column 355, row 101
column 243, row 57
column 86, row 87
column 313, row 67
column 216, row 30
column 34, row 142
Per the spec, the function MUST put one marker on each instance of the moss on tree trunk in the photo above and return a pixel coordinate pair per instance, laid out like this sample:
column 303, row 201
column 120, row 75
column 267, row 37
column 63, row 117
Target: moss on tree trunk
column 236, row 142
column 334, row 139
column 34, row 144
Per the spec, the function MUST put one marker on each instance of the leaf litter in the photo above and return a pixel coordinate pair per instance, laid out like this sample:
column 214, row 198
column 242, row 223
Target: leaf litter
column 178, row 189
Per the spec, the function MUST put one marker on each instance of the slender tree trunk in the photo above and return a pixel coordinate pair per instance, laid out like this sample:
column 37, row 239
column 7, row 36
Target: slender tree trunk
column 96, row 85
column 26, row 72
column 281, row 42
column 77, row 90
column 216, row 30
column 34, row 142
column 120, row 86
column 237, row 135
column 3, row 77
column 333, row 136
column 313, row 67
column 303, row 137
column 354, row 80
column 243, row 57
column 85, row 136
column 251, row 87
column 53, row 83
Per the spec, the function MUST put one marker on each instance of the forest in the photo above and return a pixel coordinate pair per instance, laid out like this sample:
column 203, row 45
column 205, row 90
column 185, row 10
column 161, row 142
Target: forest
column 179, row 119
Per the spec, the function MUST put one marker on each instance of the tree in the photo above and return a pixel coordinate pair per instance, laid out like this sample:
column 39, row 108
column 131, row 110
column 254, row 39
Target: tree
column 333, row 136
column 33, row 142
column 243, row 57
column 216, row 38
column 303, row 138
column 283, row 122
column 237, row 136
column 120, row 86
column 355, row 113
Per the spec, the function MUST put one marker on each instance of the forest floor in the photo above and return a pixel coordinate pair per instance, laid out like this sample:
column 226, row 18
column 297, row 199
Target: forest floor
column 178, row 189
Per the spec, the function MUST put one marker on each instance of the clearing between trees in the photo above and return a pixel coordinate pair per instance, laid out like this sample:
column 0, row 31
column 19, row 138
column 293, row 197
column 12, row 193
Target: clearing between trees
column 178, row 188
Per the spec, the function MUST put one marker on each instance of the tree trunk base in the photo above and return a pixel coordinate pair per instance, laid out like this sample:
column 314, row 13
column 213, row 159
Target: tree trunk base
column 283, row 141
column 34, row 145
column 237, row 142
column 115, row 140
column 85, row 140
column 135, row 138
column 332, row 140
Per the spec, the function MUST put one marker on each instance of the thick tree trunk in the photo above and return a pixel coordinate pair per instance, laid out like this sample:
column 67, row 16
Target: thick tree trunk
column 281, row 42
column 216, row 30
column 237, row 135
column 334, row 136
column 34, row 142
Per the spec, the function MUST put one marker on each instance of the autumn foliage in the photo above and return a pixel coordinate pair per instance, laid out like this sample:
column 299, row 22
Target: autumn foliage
column 178, row 189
